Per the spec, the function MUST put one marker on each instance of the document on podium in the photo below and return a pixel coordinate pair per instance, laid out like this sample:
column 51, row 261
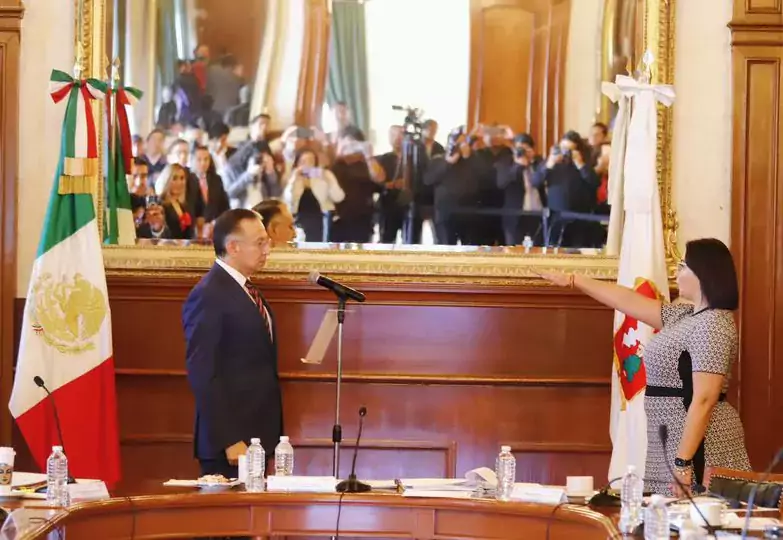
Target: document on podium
column 322, row 338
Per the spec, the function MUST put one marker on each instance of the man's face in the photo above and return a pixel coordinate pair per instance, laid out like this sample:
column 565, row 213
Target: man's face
column 281, row 228
column 597, row 136
column 140, row 177
column 155, row 144
column 395, row 137
column 259, row 128
column 249, row 246
column 342, row 115
column 430, row 131
column 201, row 161
column 155, row 218
column 180, row 154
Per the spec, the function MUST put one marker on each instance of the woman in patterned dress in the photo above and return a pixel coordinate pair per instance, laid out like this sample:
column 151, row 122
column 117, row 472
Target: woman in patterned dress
column 688, row 365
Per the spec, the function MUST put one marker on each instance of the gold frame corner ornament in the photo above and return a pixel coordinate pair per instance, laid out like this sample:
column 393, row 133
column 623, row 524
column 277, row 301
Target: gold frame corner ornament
column 398, row 265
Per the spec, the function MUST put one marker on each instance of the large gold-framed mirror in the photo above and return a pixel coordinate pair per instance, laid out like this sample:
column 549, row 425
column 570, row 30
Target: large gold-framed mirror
column 571, row 46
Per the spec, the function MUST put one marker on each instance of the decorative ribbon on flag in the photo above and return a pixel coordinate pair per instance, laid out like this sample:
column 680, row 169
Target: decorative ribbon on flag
column 80, row 142
column 617, row 166
column 126, row 95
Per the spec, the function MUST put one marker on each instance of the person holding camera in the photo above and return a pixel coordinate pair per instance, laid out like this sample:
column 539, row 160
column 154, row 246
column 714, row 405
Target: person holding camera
column 311, row 192
column 251, row 175
column 515, row 179
column 571, row 184
column 357, row 173
column 455, row 177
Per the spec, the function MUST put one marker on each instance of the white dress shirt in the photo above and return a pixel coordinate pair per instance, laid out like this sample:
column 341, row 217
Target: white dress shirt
column 242, row 280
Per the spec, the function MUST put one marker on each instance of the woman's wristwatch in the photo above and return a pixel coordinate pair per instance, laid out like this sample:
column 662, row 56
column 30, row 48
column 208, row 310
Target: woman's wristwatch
column 683, row 466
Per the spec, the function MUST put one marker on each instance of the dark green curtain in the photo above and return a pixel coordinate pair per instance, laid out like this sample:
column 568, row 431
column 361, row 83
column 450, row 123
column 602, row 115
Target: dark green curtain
column 167, row 52
column 347, row 79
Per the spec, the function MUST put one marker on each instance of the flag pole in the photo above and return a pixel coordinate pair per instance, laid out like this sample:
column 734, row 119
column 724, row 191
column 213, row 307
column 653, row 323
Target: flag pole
column 115, row 85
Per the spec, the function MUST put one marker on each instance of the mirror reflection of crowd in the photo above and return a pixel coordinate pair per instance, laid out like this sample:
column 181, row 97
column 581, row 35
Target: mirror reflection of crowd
column 489, row 186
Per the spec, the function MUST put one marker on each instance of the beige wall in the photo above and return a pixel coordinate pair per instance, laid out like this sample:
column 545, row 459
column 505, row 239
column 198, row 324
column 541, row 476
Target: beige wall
column 702, row 121
column 583, row 64
column 47, row 42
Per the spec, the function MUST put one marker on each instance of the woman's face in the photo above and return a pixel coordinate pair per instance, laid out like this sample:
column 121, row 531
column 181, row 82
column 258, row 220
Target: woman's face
column 688, row 283
column 177, row 183
column 307, row 160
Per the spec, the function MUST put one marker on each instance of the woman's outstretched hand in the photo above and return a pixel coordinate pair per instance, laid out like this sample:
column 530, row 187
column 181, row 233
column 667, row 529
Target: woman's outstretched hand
column 559, row 279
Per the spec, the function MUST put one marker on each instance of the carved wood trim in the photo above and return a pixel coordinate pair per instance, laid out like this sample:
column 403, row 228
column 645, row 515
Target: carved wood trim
column 314, row 64
column 757, row 229
column 10, row 33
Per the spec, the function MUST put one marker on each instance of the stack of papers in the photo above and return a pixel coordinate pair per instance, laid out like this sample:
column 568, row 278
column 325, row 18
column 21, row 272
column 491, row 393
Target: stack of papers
column 301, row 484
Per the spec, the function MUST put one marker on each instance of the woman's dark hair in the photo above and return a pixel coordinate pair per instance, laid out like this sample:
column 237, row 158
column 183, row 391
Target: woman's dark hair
column 303, row 151
column 710, row 260
column 269, row 210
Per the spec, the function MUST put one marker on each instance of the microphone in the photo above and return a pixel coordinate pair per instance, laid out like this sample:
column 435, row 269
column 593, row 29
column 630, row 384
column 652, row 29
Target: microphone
column 345, row 293
column 663, row 434
column 752, row 496
column 352, row 485
column 40, row 383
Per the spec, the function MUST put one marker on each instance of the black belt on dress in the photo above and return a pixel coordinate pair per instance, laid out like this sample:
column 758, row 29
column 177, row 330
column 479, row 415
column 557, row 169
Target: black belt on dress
column 667, row 391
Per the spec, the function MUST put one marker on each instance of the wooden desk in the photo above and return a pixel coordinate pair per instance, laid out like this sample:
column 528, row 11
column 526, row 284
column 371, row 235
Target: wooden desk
column 181, row 514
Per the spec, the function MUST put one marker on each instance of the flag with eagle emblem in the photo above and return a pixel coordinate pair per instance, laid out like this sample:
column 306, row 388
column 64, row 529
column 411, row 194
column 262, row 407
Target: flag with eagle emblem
column 642, row 268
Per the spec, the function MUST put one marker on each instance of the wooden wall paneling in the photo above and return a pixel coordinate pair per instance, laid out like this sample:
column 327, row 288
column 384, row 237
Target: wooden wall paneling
column 314, row 64
column 556, row 71
column 11, row 12
column 502, row 46
column 236, row 31
column 757, row 229
column 447, row 375
column 538, row 92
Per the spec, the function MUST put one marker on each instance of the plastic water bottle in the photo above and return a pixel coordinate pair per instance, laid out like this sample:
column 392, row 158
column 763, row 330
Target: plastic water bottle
column 256, row 463
column 57, row 478
column 631, row 498
column 527, row 243
column 284, row 458
column 506, row 470
column 656, row 519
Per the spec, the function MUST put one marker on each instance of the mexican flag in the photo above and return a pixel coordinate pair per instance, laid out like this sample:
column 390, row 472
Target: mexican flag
column 642, row 268
column 66, row 334
column 120, row 227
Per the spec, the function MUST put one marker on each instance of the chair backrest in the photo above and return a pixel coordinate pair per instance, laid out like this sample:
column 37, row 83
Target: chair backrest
column 736, row 486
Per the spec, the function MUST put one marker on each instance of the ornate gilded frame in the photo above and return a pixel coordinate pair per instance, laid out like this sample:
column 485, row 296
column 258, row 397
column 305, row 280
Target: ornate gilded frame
column 401, row 265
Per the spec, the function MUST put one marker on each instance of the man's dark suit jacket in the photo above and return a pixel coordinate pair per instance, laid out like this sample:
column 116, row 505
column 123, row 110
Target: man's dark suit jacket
column 232, row 367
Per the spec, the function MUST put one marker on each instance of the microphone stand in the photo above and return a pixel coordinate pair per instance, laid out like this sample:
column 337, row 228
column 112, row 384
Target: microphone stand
column 337, row 430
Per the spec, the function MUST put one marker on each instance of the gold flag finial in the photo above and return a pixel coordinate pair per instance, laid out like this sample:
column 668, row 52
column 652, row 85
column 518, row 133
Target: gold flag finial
column 115, row 70
column 78, row 66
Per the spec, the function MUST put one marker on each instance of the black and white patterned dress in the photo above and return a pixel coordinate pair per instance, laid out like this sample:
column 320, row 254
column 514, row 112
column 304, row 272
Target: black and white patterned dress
column 703, row 341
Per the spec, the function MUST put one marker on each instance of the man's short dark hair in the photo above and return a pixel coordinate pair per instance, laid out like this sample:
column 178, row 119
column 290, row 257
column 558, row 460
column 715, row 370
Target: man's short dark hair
column 352, row 132
column 525, row 138
column 176, row 143
column 218, row 129
column 603, row 127
column 257, row 117
column 156, row 131
column 136, row 138
column 710, row 260
column 228, row 224
column 140, row 162
column 269, row 210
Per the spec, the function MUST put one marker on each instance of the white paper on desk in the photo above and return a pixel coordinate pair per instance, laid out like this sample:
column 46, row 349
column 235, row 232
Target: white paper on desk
column 88, row 491
column 381, row 484
column 437, row 494
column 538, row 494
column 21, row 478
column 322, row 338
column 734, row 521
column 483, row 476
column 435, row 484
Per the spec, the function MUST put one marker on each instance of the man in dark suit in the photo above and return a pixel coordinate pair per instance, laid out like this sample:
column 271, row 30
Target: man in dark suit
column 232, row 349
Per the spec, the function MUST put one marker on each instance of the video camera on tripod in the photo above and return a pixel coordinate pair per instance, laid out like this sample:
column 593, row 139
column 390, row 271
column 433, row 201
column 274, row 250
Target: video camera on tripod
column 413, row 123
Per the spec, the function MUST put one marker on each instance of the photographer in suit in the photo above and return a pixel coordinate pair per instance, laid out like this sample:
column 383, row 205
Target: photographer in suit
column 515, row 178
column 456, row 178
column 232, row 349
